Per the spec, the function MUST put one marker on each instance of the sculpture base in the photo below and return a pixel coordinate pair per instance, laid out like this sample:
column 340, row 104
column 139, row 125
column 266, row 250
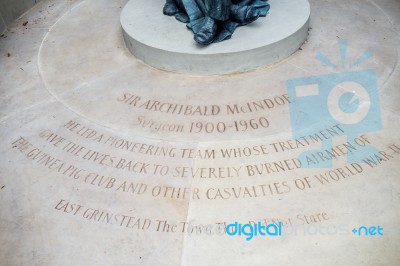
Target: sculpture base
column 163, row 42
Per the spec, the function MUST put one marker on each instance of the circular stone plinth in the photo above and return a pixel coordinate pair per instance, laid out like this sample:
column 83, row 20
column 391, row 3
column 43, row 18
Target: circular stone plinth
column 165, row 43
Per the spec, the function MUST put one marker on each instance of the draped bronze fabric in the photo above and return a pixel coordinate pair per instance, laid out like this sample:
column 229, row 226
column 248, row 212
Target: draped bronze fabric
column 215, row 20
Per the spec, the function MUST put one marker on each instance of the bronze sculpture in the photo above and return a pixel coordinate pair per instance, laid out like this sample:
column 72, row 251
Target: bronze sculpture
column 215, row 20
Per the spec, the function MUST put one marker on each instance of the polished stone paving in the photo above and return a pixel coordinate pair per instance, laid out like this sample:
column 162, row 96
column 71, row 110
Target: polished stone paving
column 107, row 161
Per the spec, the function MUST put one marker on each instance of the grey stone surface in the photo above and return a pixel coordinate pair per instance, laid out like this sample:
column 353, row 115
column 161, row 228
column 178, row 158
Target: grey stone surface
column 69, row 76
column 165, row 44
column 3, row 25
column 10, row 10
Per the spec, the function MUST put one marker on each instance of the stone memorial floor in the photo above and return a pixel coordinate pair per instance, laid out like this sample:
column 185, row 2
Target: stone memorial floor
column 108, row 161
